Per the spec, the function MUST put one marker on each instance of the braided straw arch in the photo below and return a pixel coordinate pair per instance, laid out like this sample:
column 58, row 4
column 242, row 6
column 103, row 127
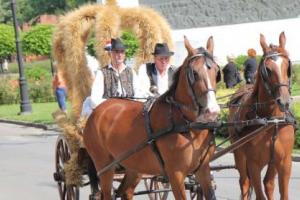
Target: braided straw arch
column 106, row 21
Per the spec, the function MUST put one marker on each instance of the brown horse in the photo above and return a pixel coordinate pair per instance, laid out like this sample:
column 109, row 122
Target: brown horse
column 118, row 125
column 269, row 98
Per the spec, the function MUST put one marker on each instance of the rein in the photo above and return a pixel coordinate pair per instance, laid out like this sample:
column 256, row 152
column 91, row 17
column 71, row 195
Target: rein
column 183, row 128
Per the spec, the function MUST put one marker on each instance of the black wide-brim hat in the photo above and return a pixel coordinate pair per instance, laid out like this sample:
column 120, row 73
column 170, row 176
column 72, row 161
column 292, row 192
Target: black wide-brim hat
column 162, row 49
column 116, row 44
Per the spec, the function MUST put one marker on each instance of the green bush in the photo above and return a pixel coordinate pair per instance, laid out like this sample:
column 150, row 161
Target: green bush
column 296, row 111
column 41, row 91
column 131, row 42
column 38, row 40
column 7, row 41
column 39, row 84
column 240, row 60
column 37, row 73
column 9, row 90
column 127, row 37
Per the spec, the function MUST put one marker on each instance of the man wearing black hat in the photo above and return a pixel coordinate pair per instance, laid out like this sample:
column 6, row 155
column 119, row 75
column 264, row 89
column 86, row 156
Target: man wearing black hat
column 114, row 80
column 157, row 77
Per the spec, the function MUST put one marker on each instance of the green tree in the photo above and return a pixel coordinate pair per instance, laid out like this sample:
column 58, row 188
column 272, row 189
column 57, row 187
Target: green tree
column 127, row 37
column 24, row 11
column 131, row 42
column 37, row 41
column 7, row 41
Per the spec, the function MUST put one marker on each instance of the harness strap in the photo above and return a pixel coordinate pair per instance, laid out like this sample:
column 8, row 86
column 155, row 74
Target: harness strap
column 274, row 137
column 147, row 107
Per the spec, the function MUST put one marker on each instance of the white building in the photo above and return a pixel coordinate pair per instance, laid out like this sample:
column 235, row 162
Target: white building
column 237, row 39
column 234, row 39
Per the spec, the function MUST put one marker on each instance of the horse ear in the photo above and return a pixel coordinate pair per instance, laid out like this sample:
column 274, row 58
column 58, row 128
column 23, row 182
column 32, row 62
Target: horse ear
column 263, row 43
column 188, row 46
column 210, row 45
column 282, row 40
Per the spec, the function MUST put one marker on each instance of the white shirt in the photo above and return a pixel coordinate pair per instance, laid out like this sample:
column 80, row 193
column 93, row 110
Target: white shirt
column 162, row 80
column 92, row 64
column 98, row 88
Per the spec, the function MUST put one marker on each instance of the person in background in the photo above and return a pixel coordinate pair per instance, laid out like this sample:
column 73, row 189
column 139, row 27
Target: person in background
column 60, row 90
column 5, row 65
column 231, row 73
column 113, row 80
column 155, row 78
column 250, row 66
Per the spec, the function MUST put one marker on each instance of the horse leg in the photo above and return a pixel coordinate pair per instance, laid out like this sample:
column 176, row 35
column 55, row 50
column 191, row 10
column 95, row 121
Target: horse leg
column 254, row 172
column 204, row 178
column 269, row 181
column 240, row 163
column 177, row 183
column 128, row 184
column 106, row 181
column 284, row 173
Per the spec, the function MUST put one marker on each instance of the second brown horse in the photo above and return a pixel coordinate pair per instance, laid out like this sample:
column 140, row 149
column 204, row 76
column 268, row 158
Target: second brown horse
column 268, row 98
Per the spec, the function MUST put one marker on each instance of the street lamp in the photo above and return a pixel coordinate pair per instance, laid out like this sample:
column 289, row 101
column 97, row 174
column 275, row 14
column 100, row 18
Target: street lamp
column 25, row 103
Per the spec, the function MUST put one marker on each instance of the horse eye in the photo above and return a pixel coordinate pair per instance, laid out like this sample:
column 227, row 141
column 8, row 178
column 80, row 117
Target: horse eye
column 269, row 72
column 196, row 75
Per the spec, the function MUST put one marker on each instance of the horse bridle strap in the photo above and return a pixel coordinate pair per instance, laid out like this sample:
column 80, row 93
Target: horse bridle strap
column 264, row 74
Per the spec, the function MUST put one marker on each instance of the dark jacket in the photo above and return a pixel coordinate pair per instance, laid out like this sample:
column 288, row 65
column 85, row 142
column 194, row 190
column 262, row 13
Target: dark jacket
column 231, row 75
column 250, row 69
column 111, row 82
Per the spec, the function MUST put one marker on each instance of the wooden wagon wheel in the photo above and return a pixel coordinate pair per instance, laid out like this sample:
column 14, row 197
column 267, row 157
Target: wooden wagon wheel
column 154, row 184
column 62, row 155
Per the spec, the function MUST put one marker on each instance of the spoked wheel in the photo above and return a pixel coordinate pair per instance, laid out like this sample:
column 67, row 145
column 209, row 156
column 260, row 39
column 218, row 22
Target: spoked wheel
column 154, row 185
column 62, row 155
column 194, row 188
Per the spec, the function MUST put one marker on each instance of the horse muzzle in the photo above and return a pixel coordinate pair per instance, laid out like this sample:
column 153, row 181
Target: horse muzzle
column 283, row 104
column 209, row 114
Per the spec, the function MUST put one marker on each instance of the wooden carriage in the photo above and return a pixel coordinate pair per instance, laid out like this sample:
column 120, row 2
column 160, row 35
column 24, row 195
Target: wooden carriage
column 69, row 42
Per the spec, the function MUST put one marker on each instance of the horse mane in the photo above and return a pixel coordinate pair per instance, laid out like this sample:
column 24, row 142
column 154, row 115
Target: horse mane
column 173, row 86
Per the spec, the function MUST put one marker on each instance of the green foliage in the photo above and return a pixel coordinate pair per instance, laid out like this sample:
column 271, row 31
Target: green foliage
column 240, row 60
column 90, row 46
column 13, row 67
column 40, row 87
column 296, row 111
column 131, row 42
column 37, row 74
column 7, row 41
column 38, row 40
column 41, row 112
column 127, row 37
column 9, row 90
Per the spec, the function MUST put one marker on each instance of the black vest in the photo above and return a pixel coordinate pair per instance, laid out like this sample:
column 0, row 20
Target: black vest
column 111, row 82
column 152, row 74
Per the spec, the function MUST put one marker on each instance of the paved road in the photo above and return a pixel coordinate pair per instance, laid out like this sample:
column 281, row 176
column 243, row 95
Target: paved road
column 27, row 165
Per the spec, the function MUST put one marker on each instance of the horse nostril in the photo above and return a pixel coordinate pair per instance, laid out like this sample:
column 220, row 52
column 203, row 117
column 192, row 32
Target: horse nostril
column 283, row 105
column 279, row 102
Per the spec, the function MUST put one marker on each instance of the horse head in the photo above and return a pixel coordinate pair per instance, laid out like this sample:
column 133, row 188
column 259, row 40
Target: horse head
column 199, row 75
column 275, row 71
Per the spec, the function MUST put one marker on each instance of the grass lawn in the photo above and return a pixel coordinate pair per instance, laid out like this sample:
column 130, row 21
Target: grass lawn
column 13, row 67
column 41, row 112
